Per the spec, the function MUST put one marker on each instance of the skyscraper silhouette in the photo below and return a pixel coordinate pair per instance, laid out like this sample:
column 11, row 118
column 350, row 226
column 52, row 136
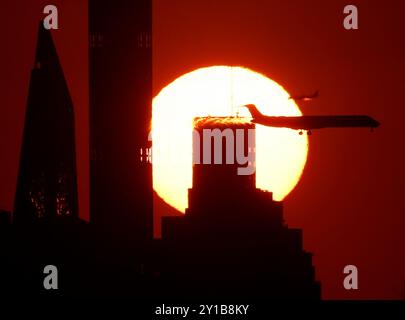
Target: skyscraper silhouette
column 120, row 116
column 46, row 185
column 233, row 241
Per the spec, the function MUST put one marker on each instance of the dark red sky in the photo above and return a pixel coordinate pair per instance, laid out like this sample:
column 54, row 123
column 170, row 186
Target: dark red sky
column 18, row 30
column 349, row 201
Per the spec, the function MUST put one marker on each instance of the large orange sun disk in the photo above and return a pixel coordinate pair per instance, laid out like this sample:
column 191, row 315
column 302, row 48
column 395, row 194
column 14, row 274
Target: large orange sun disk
column 281, row 153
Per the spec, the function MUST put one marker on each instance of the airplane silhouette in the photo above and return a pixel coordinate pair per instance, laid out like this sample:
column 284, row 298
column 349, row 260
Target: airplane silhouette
column 311, row 122
column 306, row 97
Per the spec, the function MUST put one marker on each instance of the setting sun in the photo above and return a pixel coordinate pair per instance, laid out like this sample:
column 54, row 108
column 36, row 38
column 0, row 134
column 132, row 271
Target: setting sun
column 221, row 91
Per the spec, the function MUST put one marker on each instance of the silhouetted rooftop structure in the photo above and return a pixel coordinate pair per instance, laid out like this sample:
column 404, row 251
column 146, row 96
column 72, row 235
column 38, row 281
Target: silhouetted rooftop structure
column 233, row 241
column 216, row 140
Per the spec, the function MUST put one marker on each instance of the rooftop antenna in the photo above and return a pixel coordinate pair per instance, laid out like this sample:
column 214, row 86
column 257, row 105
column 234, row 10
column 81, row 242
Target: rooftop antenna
column 232, row 96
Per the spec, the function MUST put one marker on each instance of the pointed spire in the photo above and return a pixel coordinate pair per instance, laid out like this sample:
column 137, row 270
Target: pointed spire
column 46, row 52
column 47, row 185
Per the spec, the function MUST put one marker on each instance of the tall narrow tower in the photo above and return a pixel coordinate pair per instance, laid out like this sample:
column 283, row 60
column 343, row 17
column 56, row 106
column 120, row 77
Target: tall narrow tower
column 46, row 185
column 120, row 115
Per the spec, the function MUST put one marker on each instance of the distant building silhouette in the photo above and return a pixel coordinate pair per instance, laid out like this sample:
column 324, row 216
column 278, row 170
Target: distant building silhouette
column 232, row 241
column 120, row 116
column 46, row 185
column 5, row 218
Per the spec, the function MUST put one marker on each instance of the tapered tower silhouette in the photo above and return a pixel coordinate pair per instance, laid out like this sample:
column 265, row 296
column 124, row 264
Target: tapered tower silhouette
column 233, row 241
column 120, row 116
column 46, row 185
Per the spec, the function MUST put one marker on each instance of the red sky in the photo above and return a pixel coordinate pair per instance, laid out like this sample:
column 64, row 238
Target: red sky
column 349, row 201
column 18, row 30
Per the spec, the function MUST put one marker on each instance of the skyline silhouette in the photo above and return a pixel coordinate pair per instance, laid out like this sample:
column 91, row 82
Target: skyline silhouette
column 215, row 247
column 351, row 177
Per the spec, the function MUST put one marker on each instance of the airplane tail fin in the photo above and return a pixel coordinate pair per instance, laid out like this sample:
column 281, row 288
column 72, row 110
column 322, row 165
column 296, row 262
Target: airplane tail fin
column 253, row 111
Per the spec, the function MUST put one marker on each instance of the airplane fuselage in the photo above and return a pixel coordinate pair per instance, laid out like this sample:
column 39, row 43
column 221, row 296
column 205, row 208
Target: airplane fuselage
column 316, row 122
